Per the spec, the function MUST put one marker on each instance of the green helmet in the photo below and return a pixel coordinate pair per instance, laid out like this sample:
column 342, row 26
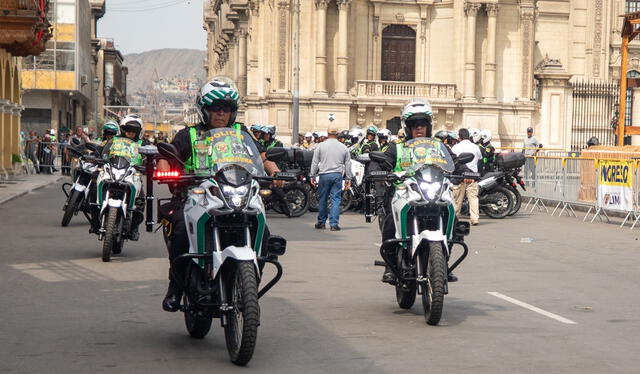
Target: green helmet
column 219, row 90
column 372, row 130
column 110, row 128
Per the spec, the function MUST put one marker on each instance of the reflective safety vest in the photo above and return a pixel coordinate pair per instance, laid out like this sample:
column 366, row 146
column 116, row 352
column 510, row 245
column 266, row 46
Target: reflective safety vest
column 384, row 147
column 202, row 153
column 404, row 157
column 125, row 147
column 274, row 143
column 363, row 145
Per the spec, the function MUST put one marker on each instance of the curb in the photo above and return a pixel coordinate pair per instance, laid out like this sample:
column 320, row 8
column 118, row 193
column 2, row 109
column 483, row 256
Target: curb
column 22, row 193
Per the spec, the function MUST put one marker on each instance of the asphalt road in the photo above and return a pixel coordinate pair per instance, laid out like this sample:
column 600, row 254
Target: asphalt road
column 64, row 311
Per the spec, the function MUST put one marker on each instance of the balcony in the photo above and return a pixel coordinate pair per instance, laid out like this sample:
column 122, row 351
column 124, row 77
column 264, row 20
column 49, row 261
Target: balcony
column 401, row 91
column 24, row 25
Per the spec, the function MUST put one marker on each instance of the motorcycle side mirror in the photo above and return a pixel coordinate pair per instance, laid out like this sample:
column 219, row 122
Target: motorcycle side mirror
column 465, row 158
column 92, row 147
column 75, row 141
column 378, row 157
column 365, row 157
column 148, row 150
column 276, row 245
column 168, row 150
column 276, row 154
column 74, row 151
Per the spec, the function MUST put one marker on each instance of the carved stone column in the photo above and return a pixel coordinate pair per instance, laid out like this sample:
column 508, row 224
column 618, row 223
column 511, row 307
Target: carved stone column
column 321, row 47
column 242, row 61
column 471, row 10
column 527, row 17
column 343, row 38
column 490, row 66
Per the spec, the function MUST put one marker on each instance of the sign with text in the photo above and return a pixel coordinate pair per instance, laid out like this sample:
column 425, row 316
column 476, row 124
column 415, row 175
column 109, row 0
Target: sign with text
column 615, row 185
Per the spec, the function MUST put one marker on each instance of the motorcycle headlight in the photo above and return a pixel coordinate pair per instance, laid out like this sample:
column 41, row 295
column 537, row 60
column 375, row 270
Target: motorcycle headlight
column 118, row 174
column 430, row 190
column 236, row 197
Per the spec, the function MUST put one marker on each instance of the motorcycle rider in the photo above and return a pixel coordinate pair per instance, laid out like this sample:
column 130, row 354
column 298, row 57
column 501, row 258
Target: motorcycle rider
column 126, row 144
column 368, row 144
column 217, row 106
column 308, row 141
column 383, row 139
column 488, row 151
column 256, row 130
column 345, row 138
column 474, row 135
column 109, row 130
column 269, row 137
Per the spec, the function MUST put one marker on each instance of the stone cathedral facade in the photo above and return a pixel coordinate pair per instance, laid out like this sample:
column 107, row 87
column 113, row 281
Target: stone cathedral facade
column 504, row 65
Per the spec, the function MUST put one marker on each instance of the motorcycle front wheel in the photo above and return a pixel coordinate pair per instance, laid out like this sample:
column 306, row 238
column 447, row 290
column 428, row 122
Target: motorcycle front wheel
column 111, row 234
column 297, row 200
column 498, row 203
column 433, row 289
column 243, row 319
column 72, row 205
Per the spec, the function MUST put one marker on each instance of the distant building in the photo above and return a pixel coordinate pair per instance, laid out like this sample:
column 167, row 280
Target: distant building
column 60, row 84
column 115, row 75
column 23, row 31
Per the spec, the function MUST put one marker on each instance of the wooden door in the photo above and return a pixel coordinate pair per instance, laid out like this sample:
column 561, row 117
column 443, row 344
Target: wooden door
column 398, row 53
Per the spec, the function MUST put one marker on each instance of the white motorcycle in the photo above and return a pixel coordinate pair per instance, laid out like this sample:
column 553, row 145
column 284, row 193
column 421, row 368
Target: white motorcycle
column 80, row 194
column 350, row 197
column 119, row 185
column 426, row 228
column 226, row 221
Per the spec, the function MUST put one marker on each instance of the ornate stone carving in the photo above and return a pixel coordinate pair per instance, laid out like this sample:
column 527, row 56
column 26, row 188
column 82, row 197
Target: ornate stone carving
column 471, row 9
column 527, row 15
column 322, row 4
column 283, row 5
column 376, row 26
column 597, row 38
column 343, row 4
column 548, row 63
column 377, row 115
column 282, row 41
column 362, row 111
column 492, row 9
column 423, row 29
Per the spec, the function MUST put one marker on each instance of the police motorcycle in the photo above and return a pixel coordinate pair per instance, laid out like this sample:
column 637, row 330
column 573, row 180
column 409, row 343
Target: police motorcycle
column 226, row 222
column 81, row 193
column 293, row 200
column 119, row 188
column 426, row 228
column 510, row 163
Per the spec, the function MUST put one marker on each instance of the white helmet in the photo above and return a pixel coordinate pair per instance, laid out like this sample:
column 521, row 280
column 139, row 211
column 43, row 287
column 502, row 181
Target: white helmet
column 417, row 109
column 132, row 122
column 308, row 135
column 485, row 135
column 323, row 134
column 474, row 134
column 384, row 133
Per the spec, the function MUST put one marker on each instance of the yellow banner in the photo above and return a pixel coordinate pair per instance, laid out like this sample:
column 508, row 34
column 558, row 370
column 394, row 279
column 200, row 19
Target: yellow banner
column 616, row 173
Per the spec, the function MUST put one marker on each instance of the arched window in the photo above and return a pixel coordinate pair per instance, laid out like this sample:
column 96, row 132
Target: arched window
column 398, row 53
column 632, row 6
column 629, row 103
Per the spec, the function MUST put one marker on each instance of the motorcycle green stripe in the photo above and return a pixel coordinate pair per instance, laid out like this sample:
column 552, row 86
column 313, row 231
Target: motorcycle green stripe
column 132, row 197
column 100, row 197
column 452, row 217
column 403, row 222
column 259, row 233
column 201, row 229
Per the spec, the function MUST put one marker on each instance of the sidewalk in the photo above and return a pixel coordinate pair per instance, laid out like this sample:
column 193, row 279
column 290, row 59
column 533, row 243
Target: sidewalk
column 25, row 184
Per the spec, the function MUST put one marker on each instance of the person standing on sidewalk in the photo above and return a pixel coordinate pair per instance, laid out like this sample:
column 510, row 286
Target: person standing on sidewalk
column 331, row 160
column 468, row 187
column 530, row 149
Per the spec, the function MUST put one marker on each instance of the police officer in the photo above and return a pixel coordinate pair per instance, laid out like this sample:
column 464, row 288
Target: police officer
column 488, row 151
column 109, row 130
column 383, row 139
column 217, row 106
column 369, row 144
column 269, row 138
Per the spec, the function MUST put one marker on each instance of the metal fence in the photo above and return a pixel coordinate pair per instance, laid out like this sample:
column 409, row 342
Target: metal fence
column 594, row 109
column 46, row 158
column 568, row 182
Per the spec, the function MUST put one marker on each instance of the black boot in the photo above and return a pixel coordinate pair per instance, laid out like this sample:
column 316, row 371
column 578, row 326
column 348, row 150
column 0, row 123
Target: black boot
column 452, row 277
column 171, row 302
column 388, row 276
column 134, row 234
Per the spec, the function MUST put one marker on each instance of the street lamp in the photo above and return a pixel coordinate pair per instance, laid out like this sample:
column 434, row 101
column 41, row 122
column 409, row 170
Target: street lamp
column 96, row 82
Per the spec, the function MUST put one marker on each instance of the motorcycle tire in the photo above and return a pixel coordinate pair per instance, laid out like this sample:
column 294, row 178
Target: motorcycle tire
column 198, row 324
column 110, row 235
column 405, row 292
column 433, row 289
column 517, row 201
column 346, row 201
column 72, row 206
column 503, row 205
column 241, row 331
column 297, row 200
column 313, row 200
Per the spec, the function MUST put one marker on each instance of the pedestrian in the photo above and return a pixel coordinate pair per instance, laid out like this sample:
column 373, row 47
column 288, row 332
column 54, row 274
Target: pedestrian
column 530, row 149
column 332, row 162
column 468, row 187
column 80, row 136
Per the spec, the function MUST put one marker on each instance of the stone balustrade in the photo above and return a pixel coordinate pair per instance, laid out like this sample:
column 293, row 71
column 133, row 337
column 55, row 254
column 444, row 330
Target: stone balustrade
column 391, row 89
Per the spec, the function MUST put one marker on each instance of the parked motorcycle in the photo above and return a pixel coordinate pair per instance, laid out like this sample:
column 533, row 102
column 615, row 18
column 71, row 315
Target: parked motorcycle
column 294, row 199
column 223, row 268
column 510, row 163
column 426, row 228
column 81, row 193
column 119, row 187
column 351, row 198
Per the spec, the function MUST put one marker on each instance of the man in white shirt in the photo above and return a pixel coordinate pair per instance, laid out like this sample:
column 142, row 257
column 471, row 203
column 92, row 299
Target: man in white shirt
column 468, row 187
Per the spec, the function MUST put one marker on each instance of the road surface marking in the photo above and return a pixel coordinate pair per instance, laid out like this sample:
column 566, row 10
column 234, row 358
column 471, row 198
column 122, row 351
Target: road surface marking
column 532, row 308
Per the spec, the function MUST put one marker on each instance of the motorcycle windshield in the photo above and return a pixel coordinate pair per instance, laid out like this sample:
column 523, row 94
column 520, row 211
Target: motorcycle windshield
column 119, row 162
column 227, row 146
column 123, row 149
column 431, row 152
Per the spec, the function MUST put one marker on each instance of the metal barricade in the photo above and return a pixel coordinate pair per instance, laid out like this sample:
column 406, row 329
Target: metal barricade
column 547, row 182
column 636, row 212
column 46, row 157
column 580, row 183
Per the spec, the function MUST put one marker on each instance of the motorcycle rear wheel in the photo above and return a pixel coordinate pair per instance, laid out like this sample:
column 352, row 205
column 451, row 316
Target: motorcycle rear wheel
column 197, row 323
column 241, row 331
column 72, row 206
column 517, row 201
column 433, row 289
column 405, row 292
column 110, row 235
column 313, row 200
column 501, row 205
column 297, row 200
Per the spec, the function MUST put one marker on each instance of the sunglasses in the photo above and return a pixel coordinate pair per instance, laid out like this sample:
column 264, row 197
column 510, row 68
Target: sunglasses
column 219, row 108
column 417, row 124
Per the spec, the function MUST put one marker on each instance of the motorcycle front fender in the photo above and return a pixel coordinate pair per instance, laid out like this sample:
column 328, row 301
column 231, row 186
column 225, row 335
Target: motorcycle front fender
column 79, row 187
column 430, row 236
column 233, row 253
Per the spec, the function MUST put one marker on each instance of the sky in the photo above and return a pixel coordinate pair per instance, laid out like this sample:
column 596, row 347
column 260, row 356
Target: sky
column 143, row 25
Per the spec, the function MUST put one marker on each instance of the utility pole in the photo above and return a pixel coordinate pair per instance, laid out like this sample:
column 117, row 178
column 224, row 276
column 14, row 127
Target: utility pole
column 296, row 76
